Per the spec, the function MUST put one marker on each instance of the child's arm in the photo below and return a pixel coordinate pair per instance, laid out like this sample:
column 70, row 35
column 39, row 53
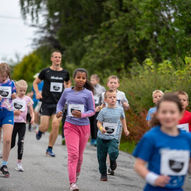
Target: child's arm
column 150, row 177
column 100, row 127
column 124, row 125
column 17, row 112
column 31, row 114
column 60, row 105
column 13, row 96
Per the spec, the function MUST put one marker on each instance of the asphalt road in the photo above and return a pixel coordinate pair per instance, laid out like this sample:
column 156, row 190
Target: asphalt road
column 44, row 173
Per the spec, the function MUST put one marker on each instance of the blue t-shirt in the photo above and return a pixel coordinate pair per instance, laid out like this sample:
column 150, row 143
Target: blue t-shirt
column 150, row 113
column 167, row 155
column 40, row 86
column 110, row 117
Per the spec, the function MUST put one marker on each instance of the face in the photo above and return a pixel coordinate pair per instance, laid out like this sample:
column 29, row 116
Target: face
column 56, row 58
column 184, row 101
column 111, row 99
column 3, row 77
column 157, row 97
column 80, row 79
column 93, row 81
column 21, row 91
column 113, row 84
column 168, row 114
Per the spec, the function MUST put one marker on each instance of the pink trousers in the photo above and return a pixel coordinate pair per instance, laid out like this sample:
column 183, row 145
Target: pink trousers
column 76, row 137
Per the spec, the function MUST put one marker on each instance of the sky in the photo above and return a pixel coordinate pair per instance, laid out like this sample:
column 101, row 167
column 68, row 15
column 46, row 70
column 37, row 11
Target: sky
column 15, row 35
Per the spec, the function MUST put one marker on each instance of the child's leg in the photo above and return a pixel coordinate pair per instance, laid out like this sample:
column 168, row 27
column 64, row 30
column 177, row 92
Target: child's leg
column 7, row 134
column 113, row 150
column 102, row 155
column 72, row 143
column 14, row 134
column 21, row 132
column 84, row 136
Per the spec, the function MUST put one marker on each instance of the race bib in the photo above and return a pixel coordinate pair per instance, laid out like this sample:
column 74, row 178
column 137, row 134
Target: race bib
column 19, row 104
column 174, row 162
column 111, row 128
column 184, row 127
column 56, row 87
column 5, row 91
column 96, row 99
column 72, row 107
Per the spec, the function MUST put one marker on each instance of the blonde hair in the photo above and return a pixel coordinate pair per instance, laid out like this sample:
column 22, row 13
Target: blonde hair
column 157, row 91
column 182, row 93
column 21, row 84
column 112, row 77
column 4, row 68
column 108, row 91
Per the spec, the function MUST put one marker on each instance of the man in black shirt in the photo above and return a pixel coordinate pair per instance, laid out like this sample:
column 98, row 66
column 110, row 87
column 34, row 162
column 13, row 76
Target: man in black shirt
column 55, row 80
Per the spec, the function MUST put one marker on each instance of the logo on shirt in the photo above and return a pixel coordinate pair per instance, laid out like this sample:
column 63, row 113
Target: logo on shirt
column 109, row 130
column 56, row 88
column 176, row 166
column 18, row 106
column 4, row 93
column 56, row 78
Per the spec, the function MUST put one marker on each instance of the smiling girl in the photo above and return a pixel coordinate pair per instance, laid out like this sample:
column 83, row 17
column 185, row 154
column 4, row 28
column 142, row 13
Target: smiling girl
column 77, row 126
column 165, row 148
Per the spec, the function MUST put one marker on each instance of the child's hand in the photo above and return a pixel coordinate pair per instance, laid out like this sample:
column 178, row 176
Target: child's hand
column 76, row 113
column 98, row 108
column 0, row 98
column 103, row 131
column 125, row 105
column 162, row 181
column 32, row 120
column 59, row 114
column 39, row 95
column 126, row 132
column 17, row 112
column 13, row 96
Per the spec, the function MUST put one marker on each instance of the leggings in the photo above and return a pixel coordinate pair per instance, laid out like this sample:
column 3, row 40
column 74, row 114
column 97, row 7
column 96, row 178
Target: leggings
column 19, row 128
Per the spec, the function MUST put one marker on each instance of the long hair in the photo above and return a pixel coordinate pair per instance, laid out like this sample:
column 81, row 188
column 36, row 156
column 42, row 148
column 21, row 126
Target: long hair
column 87, row 85
column 168, row 97
column 4, row 68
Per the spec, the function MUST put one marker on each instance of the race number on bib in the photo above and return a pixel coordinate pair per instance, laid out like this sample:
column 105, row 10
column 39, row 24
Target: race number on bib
column 56, row 87
column 184, row 127
column 111, row 128
column 174, row 162
column 19, row 104
column 72, row 107
column 96, row 99
column 5, row 92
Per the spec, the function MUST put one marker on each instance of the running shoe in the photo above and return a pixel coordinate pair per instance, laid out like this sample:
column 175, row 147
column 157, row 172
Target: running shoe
column 103, row 177
column 113, row 165
column 38, row 135
column 19, row 167
column 74, row 187
column 4, row 171
column 50, row 153
column 110, row 172
column 93, row 142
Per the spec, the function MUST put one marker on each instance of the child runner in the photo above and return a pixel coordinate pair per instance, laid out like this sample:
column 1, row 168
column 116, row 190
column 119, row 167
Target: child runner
column 165, row 148
column 109, row 131
column 77, row 128
column 157, row 95
column 98, row 90
column 7, row 94
column 21, row 105
column 185, row 122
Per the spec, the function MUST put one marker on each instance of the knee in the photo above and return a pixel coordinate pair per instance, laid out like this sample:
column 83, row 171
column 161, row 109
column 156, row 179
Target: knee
column 73, row 157
column 7, row 141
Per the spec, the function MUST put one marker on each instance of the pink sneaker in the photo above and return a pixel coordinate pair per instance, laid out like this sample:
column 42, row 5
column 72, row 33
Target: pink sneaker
column 74, row 187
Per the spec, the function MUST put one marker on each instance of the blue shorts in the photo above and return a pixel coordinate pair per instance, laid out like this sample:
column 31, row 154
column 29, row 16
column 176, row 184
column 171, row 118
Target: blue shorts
column 6, row 117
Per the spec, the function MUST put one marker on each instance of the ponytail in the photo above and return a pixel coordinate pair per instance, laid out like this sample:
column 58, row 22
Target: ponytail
column 87, row 85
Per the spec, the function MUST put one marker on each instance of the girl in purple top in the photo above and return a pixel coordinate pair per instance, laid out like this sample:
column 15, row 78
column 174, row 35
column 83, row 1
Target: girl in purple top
column 7, row 94
column 77, row 128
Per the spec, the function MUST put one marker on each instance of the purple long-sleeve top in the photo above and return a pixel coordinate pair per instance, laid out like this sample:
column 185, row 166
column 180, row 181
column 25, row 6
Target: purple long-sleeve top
column 84, row 98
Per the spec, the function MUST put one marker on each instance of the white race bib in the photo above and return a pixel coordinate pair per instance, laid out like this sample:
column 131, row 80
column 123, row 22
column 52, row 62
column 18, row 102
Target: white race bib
column 56, row 87
column 174, row 162
column 184, row 127
column 5, row 91
column 71, row 107
column 19, row 104
column 96, row 99
column 111, row 128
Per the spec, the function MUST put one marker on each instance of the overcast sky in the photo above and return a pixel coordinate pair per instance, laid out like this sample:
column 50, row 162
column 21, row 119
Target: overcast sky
column 15, row 35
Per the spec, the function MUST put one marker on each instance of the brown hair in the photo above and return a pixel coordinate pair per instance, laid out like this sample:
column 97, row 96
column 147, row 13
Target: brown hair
column 108, row 91
column 95, row 76
column 168, row 97
column 113, row 77
column 182, row 93
column 4, row 68
column 57, row 51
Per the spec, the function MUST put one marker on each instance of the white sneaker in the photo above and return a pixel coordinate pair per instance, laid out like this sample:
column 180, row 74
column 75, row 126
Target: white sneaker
column 74, row 187
column 19, row 167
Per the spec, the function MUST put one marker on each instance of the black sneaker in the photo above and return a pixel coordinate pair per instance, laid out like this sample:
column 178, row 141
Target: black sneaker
column 103, row 178
column 113, row 165
column 4, row 171
column 110, row 172
column 38, row 135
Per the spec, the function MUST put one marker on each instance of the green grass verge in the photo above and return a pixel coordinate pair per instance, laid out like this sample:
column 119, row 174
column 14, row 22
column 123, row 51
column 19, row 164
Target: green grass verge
column 127, row 146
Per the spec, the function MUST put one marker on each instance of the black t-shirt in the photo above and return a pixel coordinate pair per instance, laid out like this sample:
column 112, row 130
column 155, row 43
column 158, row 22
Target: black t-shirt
column 53, row 84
